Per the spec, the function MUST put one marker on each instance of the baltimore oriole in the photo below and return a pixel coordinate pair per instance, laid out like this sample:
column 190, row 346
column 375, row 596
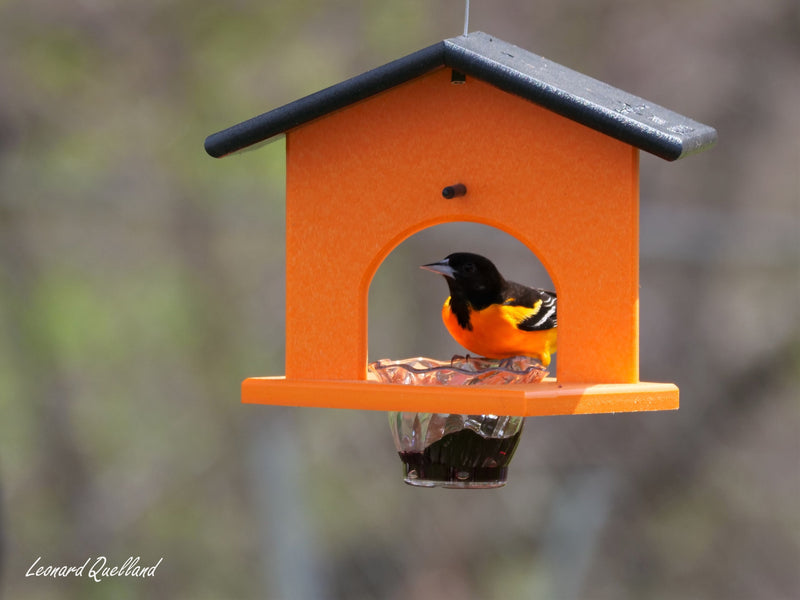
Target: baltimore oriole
column 493, row 317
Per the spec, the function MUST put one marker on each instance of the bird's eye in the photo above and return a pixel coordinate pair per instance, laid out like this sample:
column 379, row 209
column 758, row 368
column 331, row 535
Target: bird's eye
column 469, row 268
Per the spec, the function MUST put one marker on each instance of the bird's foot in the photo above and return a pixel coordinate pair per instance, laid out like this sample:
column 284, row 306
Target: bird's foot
column 458, row 359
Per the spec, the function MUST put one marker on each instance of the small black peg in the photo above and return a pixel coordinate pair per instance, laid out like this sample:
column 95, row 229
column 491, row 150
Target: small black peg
column 454, row 191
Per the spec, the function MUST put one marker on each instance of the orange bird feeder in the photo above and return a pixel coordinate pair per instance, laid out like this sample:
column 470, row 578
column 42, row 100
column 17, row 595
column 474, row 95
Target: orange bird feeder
column 367, row 160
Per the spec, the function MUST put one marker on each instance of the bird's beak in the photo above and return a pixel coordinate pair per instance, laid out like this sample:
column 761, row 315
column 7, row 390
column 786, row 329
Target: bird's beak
column 442, row 268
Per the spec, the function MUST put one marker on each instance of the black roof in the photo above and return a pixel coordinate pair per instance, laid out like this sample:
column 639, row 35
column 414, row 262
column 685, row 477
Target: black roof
column 573, row 95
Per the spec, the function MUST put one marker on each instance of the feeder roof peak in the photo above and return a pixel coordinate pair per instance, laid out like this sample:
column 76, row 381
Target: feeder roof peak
column 573, row 95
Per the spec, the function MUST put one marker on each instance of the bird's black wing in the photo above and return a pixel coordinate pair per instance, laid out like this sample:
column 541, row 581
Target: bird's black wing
column 542, row 304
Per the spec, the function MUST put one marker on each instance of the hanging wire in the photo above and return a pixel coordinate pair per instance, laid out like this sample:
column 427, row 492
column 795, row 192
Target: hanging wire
column 466, row 18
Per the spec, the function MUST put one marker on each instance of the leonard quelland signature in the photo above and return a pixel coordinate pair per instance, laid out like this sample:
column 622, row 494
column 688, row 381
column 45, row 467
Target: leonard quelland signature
column 95, row 568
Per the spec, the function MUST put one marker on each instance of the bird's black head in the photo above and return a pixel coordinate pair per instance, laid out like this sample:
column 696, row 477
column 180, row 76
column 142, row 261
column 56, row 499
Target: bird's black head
column 470, row 276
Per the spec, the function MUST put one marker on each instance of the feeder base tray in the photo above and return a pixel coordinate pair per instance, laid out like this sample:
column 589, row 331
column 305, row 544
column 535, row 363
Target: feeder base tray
column 549, row 397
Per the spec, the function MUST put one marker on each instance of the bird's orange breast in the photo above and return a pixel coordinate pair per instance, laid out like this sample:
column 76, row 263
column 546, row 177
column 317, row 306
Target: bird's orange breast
column 495, row 334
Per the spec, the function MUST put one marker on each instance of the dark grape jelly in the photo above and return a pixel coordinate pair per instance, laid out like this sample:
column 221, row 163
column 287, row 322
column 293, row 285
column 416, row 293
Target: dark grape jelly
column 463, row 459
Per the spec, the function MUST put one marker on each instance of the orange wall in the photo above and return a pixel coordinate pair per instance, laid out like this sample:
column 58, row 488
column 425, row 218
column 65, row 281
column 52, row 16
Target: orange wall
column 362, row 179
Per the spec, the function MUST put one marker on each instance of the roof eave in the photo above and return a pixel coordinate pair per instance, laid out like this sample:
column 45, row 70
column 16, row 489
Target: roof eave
column 280, row 120
column 578, row 97
column 573, row 95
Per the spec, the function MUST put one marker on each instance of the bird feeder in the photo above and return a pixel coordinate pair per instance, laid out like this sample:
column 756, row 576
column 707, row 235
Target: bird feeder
column 469, row 129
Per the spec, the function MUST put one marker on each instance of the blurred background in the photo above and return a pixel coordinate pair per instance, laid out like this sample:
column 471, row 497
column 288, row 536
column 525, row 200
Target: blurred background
column 141, row 281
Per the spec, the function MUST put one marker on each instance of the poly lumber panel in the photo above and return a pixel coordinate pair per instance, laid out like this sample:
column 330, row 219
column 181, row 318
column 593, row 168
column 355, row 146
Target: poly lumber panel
column 538, row 399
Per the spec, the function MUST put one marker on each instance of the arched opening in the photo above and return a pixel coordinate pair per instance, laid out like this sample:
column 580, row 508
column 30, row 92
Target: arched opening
column 405, row 302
